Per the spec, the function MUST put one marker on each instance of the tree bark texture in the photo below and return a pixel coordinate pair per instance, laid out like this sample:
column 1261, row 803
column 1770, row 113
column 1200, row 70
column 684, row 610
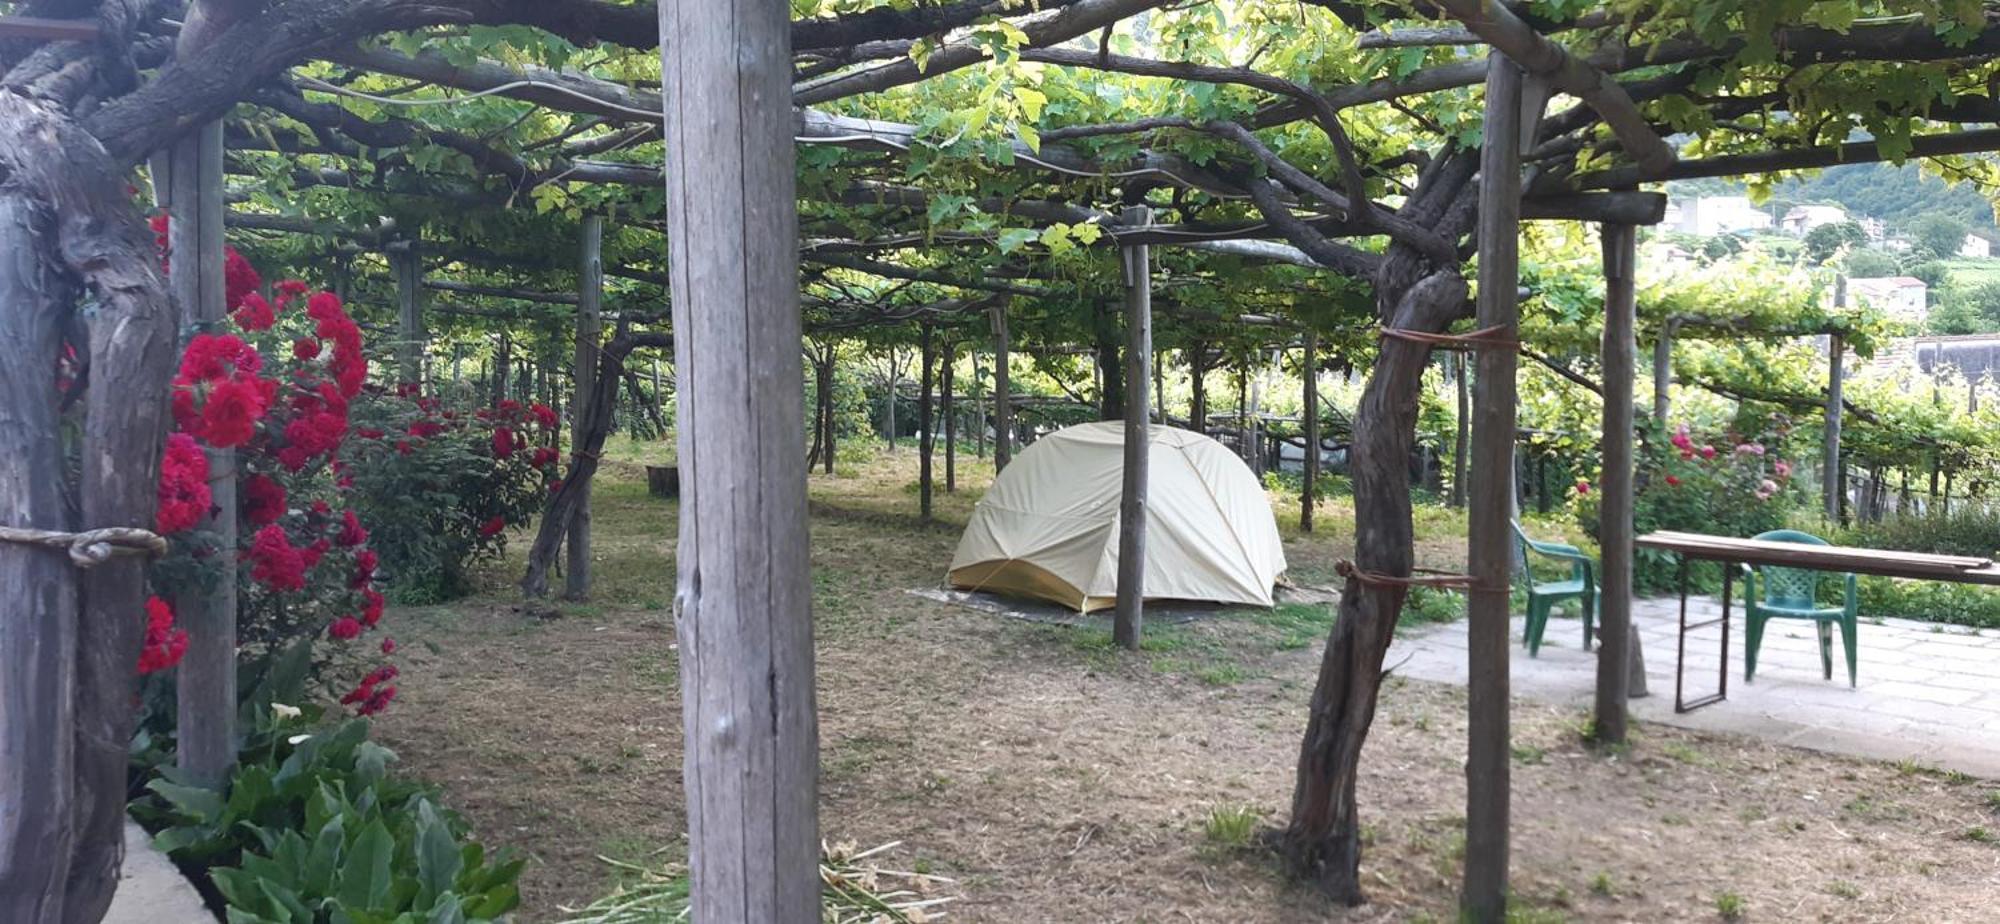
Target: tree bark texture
column 1322, row 840
column 1309, row 488
column 743, row 603
column 66, row 201
column 1003, row 398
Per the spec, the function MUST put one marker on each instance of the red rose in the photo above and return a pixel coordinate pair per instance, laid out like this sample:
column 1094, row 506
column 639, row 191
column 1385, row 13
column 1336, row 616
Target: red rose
column 351, row 533
column 344, row 629
column 493, row 527
column 305, row 348
column 1673, row 481
column 503, row 443
column 544, row 415
column 263, row 500
column 274, row 562
column 164, row 644
column 184, row 494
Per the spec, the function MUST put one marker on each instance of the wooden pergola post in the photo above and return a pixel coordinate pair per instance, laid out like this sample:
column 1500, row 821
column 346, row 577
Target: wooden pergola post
column 1487, row 764
column 743, row 603
column 1615, row 637
column 1003, row 399
column 1309, row 490
column 589, row 331
column 925, row 421
column 1463, row 429
column 205, row 683
column 1836, row 345
column 1131, row 610
column 409, row 313
column 1663, row 371
column 949, row 406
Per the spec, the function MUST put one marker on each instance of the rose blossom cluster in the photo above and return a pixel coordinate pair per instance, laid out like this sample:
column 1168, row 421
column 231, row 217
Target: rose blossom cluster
column 286, row 411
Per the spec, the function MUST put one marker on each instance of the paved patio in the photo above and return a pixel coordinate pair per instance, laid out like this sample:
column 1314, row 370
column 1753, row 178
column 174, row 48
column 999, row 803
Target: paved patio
column 1927, row 693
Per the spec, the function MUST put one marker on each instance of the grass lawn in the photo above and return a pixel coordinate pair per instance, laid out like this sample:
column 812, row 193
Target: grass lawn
column 1055, row 778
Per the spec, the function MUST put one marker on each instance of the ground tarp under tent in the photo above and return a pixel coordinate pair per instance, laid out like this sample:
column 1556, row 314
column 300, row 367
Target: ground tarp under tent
column 1048, row 527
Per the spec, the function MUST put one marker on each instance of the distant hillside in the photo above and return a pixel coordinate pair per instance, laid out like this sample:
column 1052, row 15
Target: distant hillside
column 1891, row 193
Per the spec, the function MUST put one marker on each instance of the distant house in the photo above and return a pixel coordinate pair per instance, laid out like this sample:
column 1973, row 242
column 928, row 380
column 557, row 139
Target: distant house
column 1801, row 219
column 1976, row 246
column 1872, row 227
column 1706, row 216
column 1900, row 297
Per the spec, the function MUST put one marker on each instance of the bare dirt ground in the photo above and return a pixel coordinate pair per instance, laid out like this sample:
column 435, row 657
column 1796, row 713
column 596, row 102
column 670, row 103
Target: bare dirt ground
column 1057, row 780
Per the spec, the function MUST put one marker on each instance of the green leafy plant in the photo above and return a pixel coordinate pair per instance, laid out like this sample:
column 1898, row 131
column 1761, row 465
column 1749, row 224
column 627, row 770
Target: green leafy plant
column 313, row 828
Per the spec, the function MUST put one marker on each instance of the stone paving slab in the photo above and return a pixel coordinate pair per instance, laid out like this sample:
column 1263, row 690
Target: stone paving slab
column 1926, row 692
column 151, row 890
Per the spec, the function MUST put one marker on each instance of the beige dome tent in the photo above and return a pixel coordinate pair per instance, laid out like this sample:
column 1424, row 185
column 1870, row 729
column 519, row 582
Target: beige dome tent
column 1048, row 527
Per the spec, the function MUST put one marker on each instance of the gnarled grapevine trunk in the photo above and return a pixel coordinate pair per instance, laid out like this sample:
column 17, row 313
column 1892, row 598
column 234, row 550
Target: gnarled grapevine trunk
column 1323, row 841
column 66, row 710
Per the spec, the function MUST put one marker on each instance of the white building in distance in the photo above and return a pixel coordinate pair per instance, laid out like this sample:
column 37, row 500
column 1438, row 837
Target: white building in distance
column 1899, row 297
column 1706, row 216
column 1801, row 219
column 1976, row 246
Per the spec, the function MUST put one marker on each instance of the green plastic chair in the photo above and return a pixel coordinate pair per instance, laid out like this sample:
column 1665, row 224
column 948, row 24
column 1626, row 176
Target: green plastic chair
column 1581, row 586
column 1793, row 593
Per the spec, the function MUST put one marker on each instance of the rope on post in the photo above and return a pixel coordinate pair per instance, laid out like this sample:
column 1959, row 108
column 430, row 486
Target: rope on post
column 1485, row 338
column 93, row 547
column 1424, row 577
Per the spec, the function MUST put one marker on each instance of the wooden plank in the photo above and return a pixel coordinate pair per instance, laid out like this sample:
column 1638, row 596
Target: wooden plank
column 40, row 28
column 206, row 680
column 1619, row 357
column 589, row 332
column 1488, row 763
column 1128, row 620
column 410, row 336
column 1784, row 553
column 744, row 591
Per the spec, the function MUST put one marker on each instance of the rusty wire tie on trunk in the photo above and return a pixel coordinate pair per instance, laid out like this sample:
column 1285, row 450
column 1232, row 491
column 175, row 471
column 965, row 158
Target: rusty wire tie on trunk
column 1485, row 338
column 93, row 547
column 1424, row 577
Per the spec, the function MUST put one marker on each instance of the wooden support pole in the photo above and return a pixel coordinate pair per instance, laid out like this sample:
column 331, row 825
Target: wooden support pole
column 1309, row 491
column 927, row 384
column 503, row 357
column 205, row 684
column 978, row 410
column 1127, row 622
column 1834, row 485
column 1003, row 398
column 895, row 379
column 583, row 377
column 1614, row 512
column 1663, row 371
column 743, row 603
column 1198, row 387
column 945, row 387
column 409, row 314
column 1488, row 759
column 1459, row 440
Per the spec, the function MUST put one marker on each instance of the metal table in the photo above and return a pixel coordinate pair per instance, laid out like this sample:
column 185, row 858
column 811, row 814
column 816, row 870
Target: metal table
column 1729, row 551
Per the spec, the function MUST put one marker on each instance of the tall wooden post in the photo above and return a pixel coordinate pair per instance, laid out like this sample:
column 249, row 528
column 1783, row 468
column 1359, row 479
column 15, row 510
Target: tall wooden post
column 503, row 357
column 744, row 597
column 1836, row 345
column 1131, row 612
column 205, row 684
column 925, row 440
column 409, row 313
column 945, row 388
column 1309, row 491
column 1459, row 440
column 1003, row 398
column 1663, row 371
column 978, row 410
column 1197, row 387
column 589, row 332
column 1614, row 512
column 1487, row 767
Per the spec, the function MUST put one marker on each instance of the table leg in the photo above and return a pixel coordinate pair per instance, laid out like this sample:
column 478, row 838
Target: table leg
column 1681, row 703
column 1681, row 644
column 1722, row 687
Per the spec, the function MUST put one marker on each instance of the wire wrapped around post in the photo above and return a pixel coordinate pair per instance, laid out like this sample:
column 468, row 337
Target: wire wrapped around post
column 1485, row 338
column 1423, row 577
column 93, row 547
